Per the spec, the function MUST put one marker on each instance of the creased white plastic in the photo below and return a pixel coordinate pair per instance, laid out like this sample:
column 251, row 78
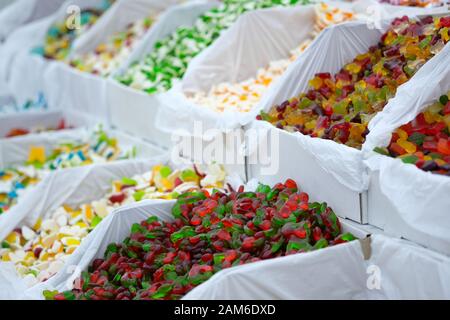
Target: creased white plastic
column 338, row 272
column 21, row 12
column 421, row 199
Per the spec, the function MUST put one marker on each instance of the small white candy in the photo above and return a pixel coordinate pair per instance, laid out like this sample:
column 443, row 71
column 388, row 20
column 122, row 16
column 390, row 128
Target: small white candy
column 61, row 220
column 27, row 233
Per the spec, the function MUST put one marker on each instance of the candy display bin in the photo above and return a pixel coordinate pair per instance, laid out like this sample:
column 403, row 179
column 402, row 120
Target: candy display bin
column 408, row 203
column 115, row 228
column 78, row 91
column 290, row 159
column 345, row 271
column 134, row 112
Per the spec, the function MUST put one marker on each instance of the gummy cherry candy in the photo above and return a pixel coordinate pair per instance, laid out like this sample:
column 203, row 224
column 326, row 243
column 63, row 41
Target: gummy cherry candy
column 165, row 260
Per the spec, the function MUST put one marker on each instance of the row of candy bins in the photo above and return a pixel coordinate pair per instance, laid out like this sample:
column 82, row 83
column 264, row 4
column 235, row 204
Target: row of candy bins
column 27, row 53
column 181, row 33
column 409, row 185
column 98, row 53
column 26, row 160
column 22, row 12
column 175, row 246
column 327, row 121
column 218, row 63
column 40, row 235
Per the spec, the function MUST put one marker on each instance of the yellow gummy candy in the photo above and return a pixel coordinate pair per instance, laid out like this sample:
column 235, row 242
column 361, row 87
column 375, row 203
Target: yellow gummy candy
column 12, row 237
column 402, row 134
column 36, row 154
column 88, row 212
column 37, row 225
column 444, row 34
column 6, row 258
column 408, row 146
column 316, row 82
column 71, row 242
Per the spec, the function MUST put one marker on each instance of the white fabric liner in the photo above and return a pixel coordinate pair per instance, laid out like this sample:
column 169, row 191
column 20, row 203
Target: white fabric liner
column 21, row 12
column 338, row 272
column 421, row 199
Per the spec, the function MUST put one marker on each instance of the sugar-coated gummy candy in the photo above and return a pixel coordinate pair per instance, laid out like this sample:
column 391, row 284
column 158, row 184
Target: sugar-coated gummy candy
column 425, row 141
column 171, row 55
column 340, row 107
column 109, row 56
column 243, row 96
column 40, row 251
column 97, row 148
column 209, row 232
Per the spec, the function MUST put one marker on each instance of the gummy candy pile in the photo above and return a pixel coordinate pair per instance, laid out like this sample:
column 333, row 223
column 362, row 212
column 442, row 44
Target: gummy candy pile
column 339, row 108
column 243, row 96
column 425, row 141
column 41, row 251
column 108, row 56
column 60, row 36
column 15, row 132
column 165, row 260
column 415, row 3
column 98, row 148
column 170, row 57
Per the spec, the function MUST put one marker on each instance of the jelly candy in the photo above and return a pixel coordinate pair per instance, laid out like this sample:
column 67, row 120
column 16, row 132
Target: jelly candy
column 39, row 252
column 165, row 260
column 340, row 107
column 97, row 148
column 425, row 141
column 107, row 57
column 246, row 94
column 171, row 55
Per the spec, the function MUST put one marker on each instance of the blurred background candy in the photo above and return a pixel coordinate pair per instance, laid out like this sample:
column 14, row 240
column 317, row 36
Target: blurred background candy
column 171, row 55
column 243, row 96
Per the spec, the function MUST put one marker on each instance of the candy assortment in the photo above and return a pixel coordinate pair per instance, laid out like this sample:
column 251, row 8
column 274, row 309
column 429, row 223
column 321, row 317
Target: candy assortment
column 415, row 3
column 425, row 141
column 61, row 35
column 98, row 148
column 171, row 55
column 210, row 232
column 243, row 96
column 16, row 132
column 39, row 252
column 340, row 107
column 108, row 56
